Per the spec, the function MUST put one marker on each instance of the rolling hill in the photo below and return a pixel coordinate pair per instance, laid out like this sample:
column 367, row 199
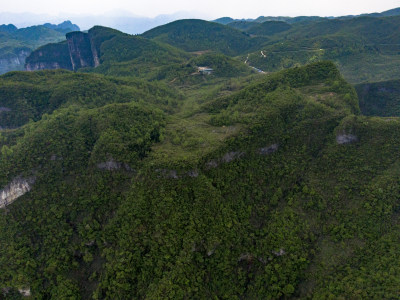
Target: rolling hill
column 275, row 186
column 162, row 166
column 269, row 28
column 373, row 41
column 199, row 35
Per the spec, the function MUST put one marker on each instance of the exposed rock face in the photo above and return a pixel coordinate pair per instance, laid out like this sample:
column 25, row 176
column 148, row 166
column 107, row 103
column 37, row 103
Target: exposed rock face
column 269, row 149
column 231, row 156
column 346, row 139
column 81, row 50
column 17, row 188
column 281, row 252
column 193, row 173
column 43, row 66
column 212, row 164
column 228, row 157
column 51, row 56
column 113, row 165
column 78, row 51
column 26, row 292
column 14, row 61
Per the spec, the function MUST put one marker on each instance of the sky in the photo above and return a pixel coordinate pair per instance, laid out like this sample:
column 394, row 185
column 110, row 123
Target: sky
column 135, row 17
column 205, row 8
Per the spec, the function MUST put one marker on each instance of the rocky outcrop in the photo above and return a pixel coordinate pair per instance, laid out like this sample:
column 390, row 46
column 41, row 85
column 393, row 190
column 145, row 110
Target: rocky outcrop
column 14, row 61
column 113, row 165
column 25, row 292
column 344, row 138
column 81, row 50
column 279, row 253
column 228, row 157
column 17, row 188
column 43, row 66
column 78, row 51
column 48, row 57
column 269, row 149
column 231, row 156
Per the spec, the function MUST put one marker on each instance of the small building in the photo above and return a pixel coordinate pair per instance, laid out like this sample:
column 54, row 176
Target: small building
column 205, row 70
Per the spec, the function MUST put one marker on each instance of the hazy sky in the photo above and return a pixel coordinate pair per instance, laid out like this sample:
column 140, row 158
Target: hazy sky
column 205, row 8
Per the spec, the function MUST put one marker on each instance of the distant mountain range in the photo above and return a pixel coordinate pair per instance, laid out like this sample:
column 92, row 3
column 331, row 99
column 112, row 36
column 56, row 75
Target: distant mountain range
column 121, row 20
column 291, row 20
column 63, row 27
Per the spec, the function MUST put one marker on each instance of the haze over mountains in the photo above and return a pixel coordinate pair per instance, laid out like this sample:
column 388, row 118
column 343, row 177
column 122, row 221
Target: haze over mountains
column 200, row 160
column 17, row 43
column 123, row 21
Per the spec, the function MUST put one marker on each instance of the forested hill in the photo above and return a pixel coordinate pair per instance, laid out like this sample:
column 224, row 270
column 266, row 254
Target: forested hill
column 260, row 186
column 199, row 35
column 292, row 20
column 365, row 48
column 254, row 160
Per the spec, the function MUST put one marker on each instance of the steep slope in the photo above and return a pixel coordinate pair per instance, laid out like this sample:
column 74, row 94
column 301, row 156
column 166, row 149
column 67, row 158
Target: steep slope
column 380, row 98
column 17, row 44
column 110, row 51
column 199, row 35
column 284, row 190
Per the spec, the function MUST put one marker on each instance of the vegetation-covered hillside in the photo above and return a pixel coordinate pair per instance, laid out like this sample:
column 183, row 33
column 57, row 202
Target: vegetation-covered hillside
column 255, row 187
column 199, row 35
column 365, row 48
column 26, row 97
column 169, row 166
column 269, row 28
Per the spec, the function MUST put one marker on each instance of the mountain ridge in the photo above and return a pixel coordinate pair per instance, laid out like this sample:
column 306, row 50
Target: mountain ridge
column 17, row 44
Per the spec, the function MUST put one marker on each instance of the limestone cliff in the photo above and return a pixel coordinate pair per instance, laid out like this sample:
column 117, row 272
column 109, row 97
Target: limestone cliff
column 78, row 51
column 81, row 50
column 51, row 56
column 15, row 189
column 13, row 60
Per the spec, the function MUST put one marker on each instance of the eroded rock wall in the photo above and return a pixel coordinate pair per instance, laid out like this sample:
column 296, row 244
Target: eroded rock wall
column 51, row 56
column 81, row 50
column 15, row 189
